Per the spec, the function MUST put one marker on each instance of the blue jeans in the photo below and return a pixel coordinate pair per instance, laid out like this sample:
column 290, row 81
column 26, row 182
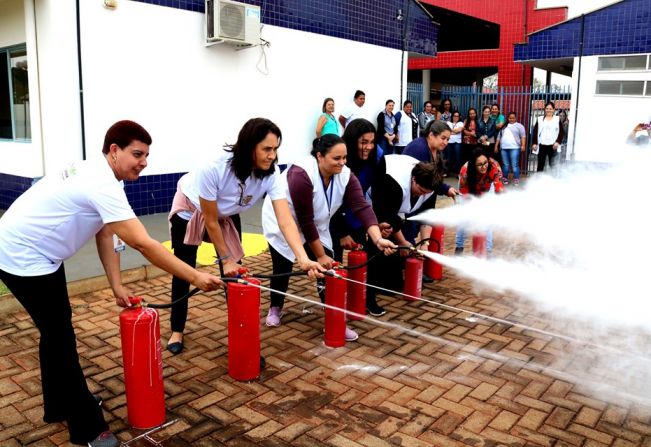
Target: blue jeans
column 453, row 152
column 511, row 159
column 460, row 238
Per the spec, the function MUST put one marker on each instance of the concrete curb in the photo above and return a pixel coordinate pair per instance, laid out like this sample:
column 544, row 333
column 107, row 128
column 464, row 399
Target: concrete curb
column 8, row 304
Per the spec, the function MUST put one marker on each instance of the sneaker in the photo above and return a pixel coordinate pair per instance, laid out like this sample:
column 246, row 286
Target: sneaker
column 375, row 309
column 105, row 439
column 273, row 317
column 351, row 335
column 505, row 181
column 516, row 182
column 427, row 279
column 458, row 250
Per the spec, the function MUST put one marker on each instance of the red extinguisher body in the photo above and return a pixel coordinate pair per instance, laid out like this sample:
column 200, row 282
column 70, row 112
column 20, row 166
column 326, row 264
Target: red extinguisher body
column 413, row 278
column 143, row 367
column 335, row 319
column 244, row 330
column 479, row 245
column 356, row 293
column 432, row 268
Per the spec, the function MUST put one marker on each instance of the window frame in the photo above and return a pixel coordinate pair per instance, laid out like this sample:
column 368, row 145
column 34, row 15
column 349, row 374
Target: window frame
column 6, row 52
column 623, row 68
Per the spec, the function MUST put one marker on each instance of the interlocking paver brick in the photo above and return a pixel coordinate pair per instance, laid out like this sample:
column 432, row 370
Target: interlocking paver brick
column 465, row 381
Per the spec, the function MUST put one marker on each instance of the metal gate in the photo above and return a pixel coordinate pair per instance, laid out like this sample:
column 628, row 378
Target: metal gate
column 527, row 102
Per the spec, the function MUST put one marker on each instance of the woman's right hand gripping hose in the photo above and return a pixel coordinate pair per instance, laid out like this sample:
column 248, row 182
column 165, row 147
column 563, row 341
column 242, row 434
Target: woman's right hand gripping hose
column 312, row 268
column 207, row 282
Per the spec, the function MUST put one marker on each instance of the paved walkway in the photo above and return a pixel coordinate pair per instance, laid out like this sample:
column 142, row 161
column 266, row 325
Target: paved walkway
column 465, row 381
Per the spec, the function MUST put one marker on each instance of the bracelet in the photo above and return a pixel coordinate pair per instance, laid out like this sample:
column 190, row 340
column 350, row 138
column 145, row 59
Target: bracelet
column 222, row 258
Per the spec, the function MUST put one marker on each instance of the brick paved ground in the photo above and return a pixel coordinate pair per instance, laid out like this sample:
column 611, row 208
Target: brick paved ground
column 470, row 382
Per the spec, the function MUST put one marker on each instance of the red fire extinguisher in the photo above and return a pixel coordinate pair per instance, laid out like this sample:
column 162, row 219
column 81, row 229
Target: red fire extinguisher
column 432, row 268
column 143, row 365
column 356, row 293
column 335, row 319
column 479, row 245
column 413, row 278
column 244, row 329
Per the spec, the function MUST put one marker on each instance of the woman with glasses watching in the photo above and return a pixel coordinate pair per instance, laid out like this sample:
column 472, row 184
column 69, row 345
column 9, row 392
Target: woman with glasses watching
column 207, row 198
column 478, row 176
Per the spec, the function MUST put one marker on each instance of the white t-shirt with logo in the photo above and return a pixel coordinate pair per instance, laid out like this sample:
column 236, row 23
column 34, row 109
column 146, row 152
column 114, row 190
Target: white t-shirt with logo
column 54, row 218
column 216, row 181
column 353, row 111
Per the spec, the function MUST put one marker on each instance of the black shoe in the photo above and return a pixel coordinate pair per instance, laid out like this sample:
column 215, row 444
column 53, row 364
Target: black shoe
column 458, row 251
column 175, row 348
column 98, row 399
column 375, row 310
column 427, row 279
column 263, row 363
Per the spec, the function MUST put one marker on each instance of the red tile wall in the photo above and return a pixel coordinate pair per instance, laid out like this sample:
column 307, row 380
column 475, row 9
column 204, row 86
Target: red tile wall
column 510, row 15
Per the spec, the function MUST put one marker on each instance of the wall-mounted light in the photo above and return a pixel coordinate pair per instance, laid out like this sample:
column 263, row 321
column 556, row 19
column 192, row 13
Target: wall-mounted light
column 110, row 4
column 399, row 16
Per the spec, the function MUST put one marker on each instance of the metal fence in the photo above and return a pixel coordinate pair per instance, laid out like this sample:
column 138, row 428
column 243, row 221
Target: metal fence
column 527, row 102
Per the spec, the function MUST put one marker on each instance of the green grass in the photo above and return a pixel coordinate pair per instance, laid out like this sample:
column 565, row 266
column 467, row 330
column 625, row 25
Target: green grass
column 3, row 289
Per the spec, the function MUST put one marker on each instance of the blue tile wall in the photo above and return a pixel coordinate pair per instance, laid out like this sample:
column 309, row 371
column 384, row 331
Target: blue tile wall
column 150, row 194
column 11, row 187
column 622, row 28
column 358, row 20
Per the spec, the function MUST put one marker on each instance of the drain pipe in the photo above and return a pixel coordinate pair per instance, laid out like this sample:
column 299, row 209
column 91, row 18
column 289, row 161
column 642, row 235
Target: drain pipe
column 578, row 87
column 81, row 87
column 34, row 79
column 404, row 19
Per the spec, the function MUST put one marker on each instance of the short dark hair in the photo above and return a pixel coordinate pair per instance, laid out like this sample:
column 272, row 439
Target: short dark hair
column 426, row 175
column 436, row 127
column 123, row 133
column 389, row 101
column 254, row 131
column 322, row 145
column 359, row 93
column 325, row 101
column 407, row 102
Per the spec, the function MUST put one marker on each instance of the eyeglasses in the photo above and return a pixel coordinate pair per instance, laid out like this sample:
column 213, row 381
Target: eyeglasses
column 481, row 165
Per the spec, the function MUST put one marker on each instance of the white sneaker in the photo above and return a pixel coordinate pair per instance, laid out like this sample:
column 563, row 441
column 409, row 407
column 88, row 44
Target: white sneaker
column 350, row 334
column 273, row 317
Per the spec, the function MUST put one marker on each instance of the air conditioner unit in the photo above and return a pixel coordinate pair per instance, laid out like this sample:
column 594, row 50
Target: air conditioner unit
column 232, row 22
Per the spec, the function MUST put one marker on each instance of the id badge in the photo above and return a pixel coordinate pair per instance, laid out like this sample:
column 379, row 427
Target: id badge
column 118, row 244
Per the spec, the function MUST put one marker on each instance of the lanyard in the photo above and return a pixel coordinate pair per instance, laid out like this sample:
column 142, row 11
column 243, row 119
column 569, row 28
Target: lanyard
column 325, row 190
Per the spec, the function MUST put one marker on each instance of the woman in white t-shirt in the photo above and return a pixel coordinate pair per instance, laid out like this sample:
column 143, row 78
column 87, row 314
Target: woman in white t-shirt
column 453, row 149
column 511, row 140
column 47, row 225
column 234, row 181
column 547, row 137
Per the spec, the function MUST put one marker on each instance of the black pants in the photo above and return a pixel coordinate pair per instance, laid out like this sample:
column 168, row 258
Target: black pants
column 383, row 271
column 282, row 265
column 187, row 254
column 358, row 235
column 546, row 151
column 65, row 394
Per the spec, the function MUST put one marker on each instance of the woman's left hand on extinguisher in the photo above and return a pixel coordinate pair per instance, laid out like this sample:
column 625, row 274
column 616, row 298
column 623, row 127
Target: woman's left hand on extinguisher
column 122, row 296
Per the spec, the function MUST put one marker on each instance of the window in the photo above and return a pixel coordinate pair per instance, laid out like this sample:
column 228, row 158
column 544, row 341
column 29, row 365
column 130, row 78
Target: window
column 623, row 63
column 632, row 88
column 14, row 95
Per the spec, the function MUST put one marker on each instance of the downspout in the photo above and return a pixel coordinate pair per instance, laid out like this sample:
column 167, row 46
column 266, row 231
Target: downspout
column 31, row 32
column 524, row 37
column 81, row 86
column 403, row 46
column 578, row 86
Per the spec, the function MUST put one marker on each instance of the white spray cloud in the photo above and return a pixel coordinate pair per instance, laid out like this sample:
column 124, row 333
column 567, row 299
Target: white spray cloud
column 588, row 236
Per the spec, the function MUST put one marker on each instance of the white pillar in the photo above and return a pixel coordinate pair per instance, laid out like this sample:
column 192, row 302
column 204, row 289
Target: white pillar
column 427, row 83
column 34, row 84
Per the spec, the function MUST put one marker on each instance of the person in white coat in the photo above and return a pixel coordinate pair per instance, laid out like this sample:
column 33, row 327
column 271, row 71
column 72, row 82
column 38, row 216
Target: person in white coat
column 316, row 187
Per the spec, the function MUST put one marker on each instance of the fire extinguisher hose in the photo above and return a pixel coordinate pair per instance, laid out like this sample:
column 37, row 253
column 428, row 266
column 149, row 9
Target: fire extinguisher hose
column 188, row 295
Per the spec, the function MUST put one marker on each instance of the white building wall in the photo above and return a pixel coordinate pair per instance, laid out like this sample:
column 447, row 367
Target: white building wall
column 149, row 64
column 575, row 7
column 604, row 121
